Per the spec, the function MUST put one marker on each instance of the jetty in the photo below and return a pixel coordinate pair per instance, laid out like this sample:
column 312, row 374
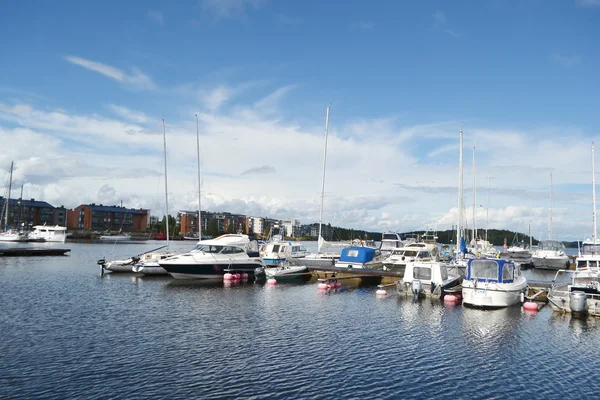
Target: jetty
column 32, row 252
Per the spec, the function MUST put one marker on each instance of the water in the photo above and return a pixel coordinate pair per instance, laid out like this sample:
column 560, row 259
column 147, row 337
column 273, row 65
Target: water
column 67, row 332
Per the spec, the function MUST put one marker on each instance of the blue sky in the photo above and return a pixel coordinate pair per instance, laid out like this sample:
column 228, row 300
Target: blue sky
column 84, row 87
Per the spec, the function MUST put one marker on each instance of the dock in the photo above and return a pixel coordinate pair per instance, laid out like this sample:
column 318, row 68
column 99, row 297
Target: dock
column 32, row 252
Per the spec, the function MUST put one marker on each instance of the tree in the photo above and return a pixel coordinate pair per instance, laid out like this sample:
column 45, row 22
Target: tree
column 230, row 228
column 213, row 228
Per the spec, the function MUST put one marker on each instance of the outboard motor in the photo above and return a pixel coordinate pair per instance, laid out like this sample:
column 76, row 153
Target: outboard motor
column 417, row 287
column 577, row 302
column 259, row 274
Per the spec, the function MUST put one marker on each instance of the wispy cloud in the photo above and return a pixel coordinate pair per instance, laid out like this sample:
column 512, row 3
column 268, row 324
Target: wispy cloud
column 156, row 16
column 265, row 169
column 566, row 61
column 589, row 3
column 136, row 79
column 287, row 20
column 364, row 25
column 269, row 103
column 133, row 116
column 222, row 9
column 440, row 22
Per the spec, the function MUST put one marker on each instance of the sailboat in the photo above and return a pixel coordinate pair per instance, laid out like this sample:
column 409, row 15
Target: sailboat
column 550, row 254
column 150, row 266
column 7, row 234
column 147, row 262
column 582, row 293
column 320, row 258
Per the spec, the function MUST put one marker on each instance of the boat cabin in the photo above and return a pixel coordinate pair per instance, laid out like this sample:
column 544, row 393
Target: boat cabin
column 491, row 270
column 426, row 272
column 358, row 255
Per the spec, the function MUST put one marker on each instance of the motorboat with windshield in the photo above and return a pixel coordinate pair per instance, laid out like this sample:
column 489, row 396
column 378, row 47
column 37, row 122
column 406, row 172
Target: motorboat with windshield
column 400, row 258
column 211, row 259
column 390, row 241
column 493, row 283
column 427, row 279
column 550, row 254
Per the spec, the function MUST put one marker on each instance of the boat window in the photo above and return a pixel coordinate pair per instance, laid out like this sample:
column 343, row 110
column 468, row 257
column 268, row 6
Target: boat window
column 275, row 248
column 507, row 273
column 352, row 253
column 232, row 250
column 484, row 269
column 410, row 253
column 444, row 272
column 207, row 248
column 282, row 249
column 422, row 273
column 590, row 249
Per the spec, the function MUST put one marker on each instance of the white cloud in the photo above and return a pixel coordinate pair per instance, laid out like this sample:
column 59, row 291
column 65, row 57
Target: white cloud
column 136, row 79
column 222, row 9
column 566, row 61
column 156, row 16
column 130, row 115
column 439, row 18
column 265, row 169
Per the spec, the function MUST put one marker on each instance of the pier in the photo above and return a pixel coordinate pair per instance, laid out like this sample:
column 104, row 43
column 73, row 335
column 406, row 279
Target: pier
column 32, row 252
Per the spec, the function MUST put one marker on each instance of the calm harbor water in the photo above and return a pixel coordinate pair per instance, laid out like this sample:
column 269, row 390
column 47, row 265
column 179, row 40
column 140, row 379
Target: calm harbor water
column 68, row 332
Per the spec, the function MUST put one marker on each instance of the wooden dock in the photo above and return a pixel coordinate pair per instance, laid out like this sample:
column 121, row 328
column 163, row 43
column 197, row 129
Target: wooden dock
column 32, row 252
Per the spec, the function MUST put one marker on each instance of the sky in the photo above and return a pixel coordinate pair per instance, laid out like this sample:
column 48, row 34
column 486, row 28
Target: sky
column 84, row 87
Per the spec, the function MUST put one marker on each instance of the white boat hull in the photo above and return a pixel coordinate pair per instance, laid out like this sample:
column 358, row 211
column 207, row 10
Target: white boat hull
column 286, row 272
column 550, row 262
column 12, row 237
column 493, row 295
column 120, row 265
column 150, row 268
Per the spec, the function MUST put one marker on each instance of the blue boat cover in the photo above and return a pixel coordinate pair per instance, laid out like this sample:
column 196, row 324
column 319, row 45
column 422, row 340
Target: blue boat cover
column 357, row 254
column 491, row 270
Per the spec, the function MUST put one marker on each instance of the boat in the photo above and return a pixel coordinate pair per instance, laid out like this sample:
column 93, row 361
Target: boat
column 48, row 233
column 581, row 295
column 390, row 241
column 7, row 234
column 427, row 279
column 519, row 251
column 493, row 283
column 126, row 264
column 285, row 271
column 277, row 252
column 550, row 254
column 119, row 237
column 360, row 257
column 211, row 259
column 322, row 258
column 148, row 265
column 400, row 258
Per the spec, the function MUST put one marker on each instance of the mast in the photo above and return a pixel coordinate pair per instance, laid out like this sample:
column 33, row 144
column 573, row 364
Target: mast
column 550, row 216
column 530, row 239
column 166, row 190
column 323, row 180
column 594, row 193
column 487, row 209
column 474, row 203
column 459, row 227
column 199, row 192
column 8, row 199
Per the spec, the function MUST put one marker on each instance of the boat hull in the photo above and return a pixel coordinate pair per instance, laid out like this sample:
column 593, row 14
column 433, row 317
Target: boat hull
column 550, row 262
column 211, row 270
column 287, row 272
column 150, row 269
column 494, row 295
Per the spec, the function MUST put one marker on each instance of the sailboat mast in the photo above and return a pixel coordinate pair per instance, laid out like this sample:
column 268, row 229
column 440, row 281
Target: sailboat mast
column 594, row 193
column 487, row 209
column 199, row 191
column 8, row 199
column 530, row 239
column 550, row 216
column 460, row 192
column 323, row 180
column 474, row 200
column 166, row 189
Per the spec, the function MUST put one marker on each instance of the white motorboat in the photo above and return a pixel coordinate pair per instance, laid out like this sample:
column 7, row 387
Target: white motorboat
column 127, row 264
column 519, row 251
column 582, row 292
column 48, row 233
column 550, row 254
column 390, row 241
column 212, row 258
column 400, row 258
column 284, row 271
column 13, row 236
column 493, row 283
column 427, row 279
column 148, row 263
column 483, row 248
column 277, row 251
column 120, row 237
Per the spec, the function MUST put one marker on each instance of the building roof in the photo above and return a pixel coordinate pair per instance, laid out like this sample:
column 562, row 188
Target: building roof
column 28, row 203
column 114, row 209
